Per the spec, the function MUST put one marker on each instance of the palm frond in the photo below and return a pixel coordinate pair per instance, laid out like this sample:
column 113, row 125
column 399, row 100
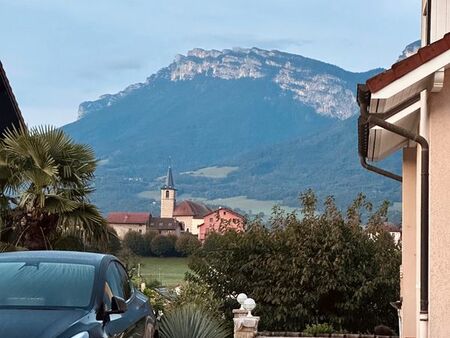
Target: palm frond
column 191, row 322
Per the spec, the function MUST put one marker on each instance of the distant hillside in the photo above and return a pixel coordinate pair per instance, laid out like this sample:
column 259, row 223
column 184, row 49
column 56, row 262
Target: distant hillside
column 282, row 120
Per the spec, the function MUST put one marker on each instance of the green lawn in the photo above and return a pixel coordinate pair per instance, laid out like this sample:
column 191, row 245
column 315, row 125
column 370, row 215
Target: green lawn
column 169, row 271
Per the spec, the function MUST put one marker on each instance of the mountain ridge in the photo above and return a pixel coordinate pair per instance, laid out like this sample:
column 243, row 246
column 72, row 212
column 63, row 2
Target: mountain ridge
column 257, row 110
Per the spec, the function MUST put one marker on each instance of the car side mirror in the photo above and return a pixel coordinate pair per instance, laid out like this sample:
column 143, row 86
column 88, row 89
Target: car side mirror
column 118, row 305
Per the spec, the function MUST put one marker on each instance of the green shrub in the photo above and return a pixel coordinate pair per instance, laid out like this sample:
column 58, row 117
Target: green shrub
column 148, row 237
column 323, row 266
column 318, row 328
column 191, row 322
column 187, row 244
column 163, row 246
column 129, row 260
column 134, row 241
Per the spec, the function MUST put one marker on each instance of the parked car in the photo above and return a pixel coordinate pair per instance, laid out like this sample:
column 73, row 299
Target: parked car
column 62, row 294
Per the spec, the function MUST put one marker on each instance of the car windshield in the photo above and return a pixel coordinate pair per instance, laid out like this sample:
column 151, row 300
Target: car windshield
column 45, row 284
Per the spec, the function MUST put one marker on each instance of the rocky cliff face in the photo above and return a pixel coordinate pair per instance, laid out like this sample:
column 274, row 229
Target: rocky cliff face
column 268, row 114
column 409, row 50
column 323, row 87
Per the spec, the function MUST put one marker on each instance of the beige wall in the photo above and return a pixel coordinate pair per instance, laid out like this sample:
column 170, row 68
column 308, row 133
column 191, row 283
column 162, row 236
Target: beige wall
column 439, row 138
column 190, row 223
column 408, row 268
column 122, row 229
column 167, row 203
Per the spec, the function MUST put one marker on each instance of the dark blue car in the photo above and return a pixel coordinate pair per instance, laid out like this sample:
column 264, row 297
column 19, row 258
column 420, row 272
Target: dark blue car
column 61, row 294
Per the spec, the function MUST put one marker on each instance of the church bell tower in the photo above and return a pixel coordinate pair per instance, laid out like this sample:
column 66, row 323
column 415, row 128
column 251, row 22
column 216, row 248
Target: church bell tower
column 168, row 196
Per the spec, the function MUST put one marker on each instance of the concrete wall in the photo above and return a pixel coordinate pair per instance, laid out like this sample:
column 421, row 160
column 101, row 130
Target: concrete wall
column 439, row 138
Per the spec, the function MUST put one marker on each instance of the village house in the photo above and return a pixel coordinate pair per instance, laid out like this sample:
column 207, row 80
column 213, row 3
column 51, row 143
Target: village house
column 220, row 220
column 122, row 222
column 406, row 108
column 165, row 226
column 186, row 216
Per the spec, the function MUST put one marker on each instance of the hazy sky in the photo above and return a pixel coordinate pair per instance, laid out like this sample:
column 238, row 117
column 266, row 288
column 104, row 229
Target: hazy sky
column 58, row 53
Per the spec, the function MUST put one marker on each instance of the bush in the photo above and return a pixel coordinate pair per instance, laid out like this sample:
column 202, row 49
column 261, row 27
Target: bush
column 323, row 266
column 129, row 260
column 187, row 244
column 163, row 246
column 191, row 322
column 318, row 328
column 134, row 241
column 148, row 237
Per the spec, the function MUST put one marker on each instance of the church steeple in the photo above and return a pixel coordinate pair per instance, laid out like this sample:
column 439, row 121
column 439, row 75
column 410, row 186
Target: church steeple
column 169, row 180
column 168, row 195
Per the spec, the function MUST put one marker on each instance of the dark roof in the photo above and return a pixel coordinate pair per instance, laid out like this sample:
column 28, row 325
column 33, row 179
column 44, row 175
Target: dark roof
column 9, row 109
column 169, row 184
column 190, row 208
column 160, row 223
column 128, row 217
column 407, row 65
column 227, row 209
column 60, row 256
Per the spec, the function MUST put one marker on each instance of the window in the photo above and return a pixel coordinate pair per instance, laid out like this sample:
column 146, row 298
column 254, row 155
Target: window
column 37, row 284
column 211, row 219
column 116, row 284
column 224, row 212
column 140, row 231
column 167, row 193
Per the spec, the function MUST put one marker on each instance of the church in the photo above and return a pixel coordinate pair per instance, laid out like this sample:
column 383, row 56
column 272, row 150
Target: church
column 186, row 216
column 189, row 213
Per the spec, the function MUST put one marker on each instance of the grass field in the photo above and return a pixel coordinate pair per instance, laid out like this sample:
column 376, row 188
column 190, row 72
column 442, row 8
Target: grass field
column 169, row 271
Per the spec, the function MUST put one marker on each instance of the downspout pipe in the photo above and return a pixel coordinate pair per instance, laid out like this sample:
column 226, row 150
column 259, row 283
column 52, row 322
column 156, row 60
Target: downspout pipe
column 424, row 203
column 363, row 135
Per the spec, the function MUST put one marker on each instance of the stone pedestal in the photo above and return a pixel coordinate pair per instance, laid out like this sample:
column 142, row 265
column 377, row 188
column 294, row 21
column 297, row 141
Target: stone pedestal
column 245, row 327
column 237, row 313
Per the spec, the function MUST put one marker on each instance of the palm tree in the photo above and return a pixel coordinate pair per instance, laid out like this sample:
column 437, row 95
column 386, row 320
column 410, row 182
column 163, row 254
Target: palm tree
column 45, row 182
column 189, row 321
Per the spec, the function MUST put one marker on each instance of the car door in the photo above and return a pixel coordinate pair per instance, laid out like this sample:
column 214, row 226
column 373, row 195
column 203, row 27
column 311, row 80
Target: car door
column 133, row 322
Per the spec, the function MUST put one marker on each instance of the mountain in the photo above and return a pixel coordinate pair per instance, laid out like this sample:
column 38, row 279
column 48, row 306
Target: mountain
column 273, row 122
column 409, row 50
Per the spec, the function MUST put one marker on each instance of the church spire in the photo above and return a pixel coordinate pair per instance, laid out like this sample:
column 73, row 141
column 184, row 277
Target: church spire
column 169, row 179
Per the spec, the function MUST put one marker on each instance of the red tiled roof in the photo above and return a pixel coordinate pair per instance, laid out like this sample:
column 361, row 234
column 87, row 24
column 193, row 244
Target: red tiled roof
column 128, row 217
column 190, row 208
column 407, row 65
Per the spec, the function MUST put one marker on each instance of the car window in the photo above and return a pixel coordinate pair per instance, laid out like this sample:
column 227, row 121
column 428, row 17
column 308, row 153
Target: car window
column 116, row 284
column 45, row 284
column 125, row 282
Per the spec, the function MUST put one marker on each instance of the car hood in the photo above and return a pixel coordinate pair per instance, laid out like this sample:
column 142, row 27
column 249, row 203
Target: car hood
column 37, row 323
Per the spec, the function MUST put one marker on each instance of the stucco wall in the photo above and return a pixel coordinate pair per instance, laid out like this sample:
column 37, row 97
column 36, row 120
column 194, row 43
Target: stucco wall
column 408, row 269
column 122, row 229
column 439, row 138
column 212, row 222
column 168, row 199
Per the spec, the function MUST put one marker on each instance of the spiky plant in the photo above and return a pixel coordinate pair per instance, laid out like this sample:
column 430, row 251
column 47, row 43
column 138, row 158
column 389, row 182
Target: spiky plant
column 45, row 182
column 190, row 321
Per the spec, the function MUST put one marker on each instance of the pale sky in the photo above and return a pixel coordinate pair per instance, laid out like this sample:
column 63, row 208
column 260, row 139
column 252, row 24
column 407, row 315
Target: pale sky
column 59, row 53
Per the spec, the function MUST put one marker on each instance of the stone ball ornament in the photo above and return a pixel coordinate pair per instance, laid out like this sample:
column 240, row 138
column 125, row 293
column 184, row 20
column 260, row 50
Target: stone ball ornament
column 249, row 305
column 241, row 298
